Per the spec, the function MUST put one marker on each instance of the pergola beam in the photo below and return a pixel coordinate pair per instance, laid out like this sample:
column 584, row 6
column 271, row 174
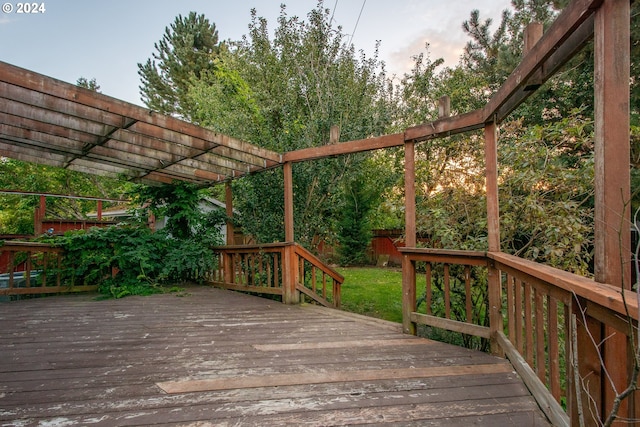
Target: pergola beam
column 85, row 127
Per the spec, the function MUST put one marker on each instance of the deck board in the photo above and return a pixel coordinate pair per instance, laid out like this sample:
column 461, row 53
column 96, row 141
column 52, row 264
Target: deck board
column 238, row 360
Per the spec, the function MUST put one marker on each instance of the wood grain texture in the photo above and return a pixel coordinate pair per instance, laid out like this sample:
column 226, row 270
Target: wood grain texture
column 72, row 360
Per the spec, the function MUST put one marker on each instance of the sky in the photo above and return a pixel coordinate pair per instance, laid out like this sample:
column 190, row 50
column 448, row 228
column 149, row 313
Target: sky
column 106, row 39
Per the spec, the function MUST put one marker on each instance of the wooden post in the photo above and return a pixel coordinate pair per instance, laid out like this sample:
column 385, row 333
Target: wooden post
column 491, row 177
column 532, row 34
column 99, row 211
column 408, row 267
column 289, row 261
column 227, row 258
column 334, row 134
column 39, row 216
column 289, row 236
column 493, row 225
column 409, row 194
column 612, row 181
column 228, row 203
column 444, row 107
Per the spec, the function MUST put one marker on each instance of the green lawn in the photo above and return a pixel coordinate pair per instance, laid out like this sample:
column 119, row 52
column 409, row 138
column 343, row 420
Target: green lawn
column 375, row 292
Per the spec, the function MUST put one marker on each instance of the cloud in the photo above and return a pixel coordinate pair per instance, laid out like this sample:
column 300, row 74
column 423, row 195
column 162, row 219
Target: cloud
column 441, row 45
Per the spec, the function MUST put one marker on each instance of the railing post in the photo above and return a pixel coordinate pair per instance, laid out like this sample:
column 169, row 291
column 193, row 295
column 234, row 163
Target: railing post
column 408, row 294
column 408, row 266
column 493, row 224
column 289, row 275
column 612, row 241
column 289, row 260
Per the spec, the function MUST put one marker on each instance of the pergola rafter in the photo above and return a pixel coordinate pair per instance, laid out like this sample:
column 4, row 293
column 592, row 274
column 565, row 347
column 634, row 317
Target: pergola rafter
column 47, row 121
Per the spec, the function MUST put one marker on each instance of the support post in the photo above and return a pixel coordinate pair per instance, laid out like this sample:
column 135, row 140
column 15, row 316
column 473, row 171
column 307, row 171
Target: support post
column 289, row 277
column 227, row 258
column 410, row 194
column 228, row 202
column 493, row 225
column 99, row 211
column 39, row 216
column 408, row 266
column 612, row 177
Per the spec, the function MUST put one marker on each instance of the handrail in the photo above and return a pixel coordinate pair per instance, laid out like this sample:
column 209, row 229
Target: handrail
column 306, row 280
column 284, row 269
column 605, row 295
column 542, row 310
column 305, row 253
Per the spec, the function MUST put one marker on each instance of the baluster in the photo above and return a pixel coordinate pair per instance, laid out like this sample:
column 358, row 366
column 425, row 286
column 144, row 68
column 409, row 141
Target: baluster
column 28, row 269
column 268, row 262
column 511, row 313
column 428, row 292
column 447, row 293
column 59, row 265
column 276, row 263
column 540, row 337
column 528, row 321
column 313, row 281
column 43, row 275
column 260, row 258
column 467, row 287
column 554, row 360
column 11, row 268
column 517, row 307
column 246, row 269
column 324, row 285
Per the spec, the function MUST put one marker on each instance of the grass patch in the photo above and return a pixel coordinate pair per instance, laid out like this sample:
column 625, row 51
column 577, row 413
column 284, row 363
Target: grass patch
column 374, row 292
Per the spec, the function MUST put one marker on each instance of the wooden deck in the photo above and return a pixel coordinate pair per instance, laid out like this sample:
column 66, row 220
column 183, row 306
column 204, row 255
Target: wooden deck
column 215, row 357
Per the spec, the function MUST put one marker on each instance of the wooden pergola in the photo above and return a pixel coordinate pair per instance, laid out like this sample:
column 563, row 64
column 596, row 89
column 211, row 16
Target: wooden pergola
column 47, row 121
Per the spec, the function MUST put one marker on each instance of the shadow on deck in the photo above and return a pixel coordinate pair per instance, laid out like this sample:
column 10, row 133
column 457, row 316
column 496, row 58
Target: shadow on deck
column 216, row 357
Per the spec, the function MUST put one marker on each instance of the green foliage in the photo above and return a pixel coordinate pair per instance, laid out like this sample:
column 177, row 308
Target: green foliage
column 187, row 50
column 88, row 84
column 360, row 194
column 303, row 81
column 16, row 212
column 180, row 203
column 547, row 194
column 133, row 260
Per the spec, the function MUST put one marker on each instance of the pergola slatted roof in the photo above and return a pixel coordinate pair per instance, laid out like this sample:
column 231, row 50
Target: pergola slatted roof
column 47, row 121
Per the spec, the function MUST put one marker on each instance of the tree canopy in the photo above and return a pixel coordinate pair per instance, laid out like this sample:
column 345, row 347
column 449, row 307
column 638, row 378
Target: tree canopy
column 284, row 87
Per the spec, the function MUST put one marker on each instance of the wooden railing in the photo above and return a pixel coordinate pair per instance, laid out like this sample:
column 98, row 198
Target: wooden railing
column 30, row 268
column 316, row 280
column 550, row 326
column 284, row 269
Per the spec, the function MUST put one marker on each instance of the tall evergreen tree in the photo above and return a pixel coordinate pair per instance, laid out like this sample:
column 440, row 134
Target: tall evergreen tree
column 188, row 50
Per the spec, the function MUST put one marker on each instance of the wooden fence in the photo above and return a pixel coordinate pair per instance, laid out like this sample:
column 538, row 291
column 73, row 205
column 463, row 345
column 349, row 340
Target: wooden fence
column 550, row 326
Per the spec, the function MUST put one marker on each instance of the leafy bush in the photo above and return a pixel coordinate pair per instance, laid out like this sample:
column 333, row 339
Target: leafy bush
column 131, row 259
